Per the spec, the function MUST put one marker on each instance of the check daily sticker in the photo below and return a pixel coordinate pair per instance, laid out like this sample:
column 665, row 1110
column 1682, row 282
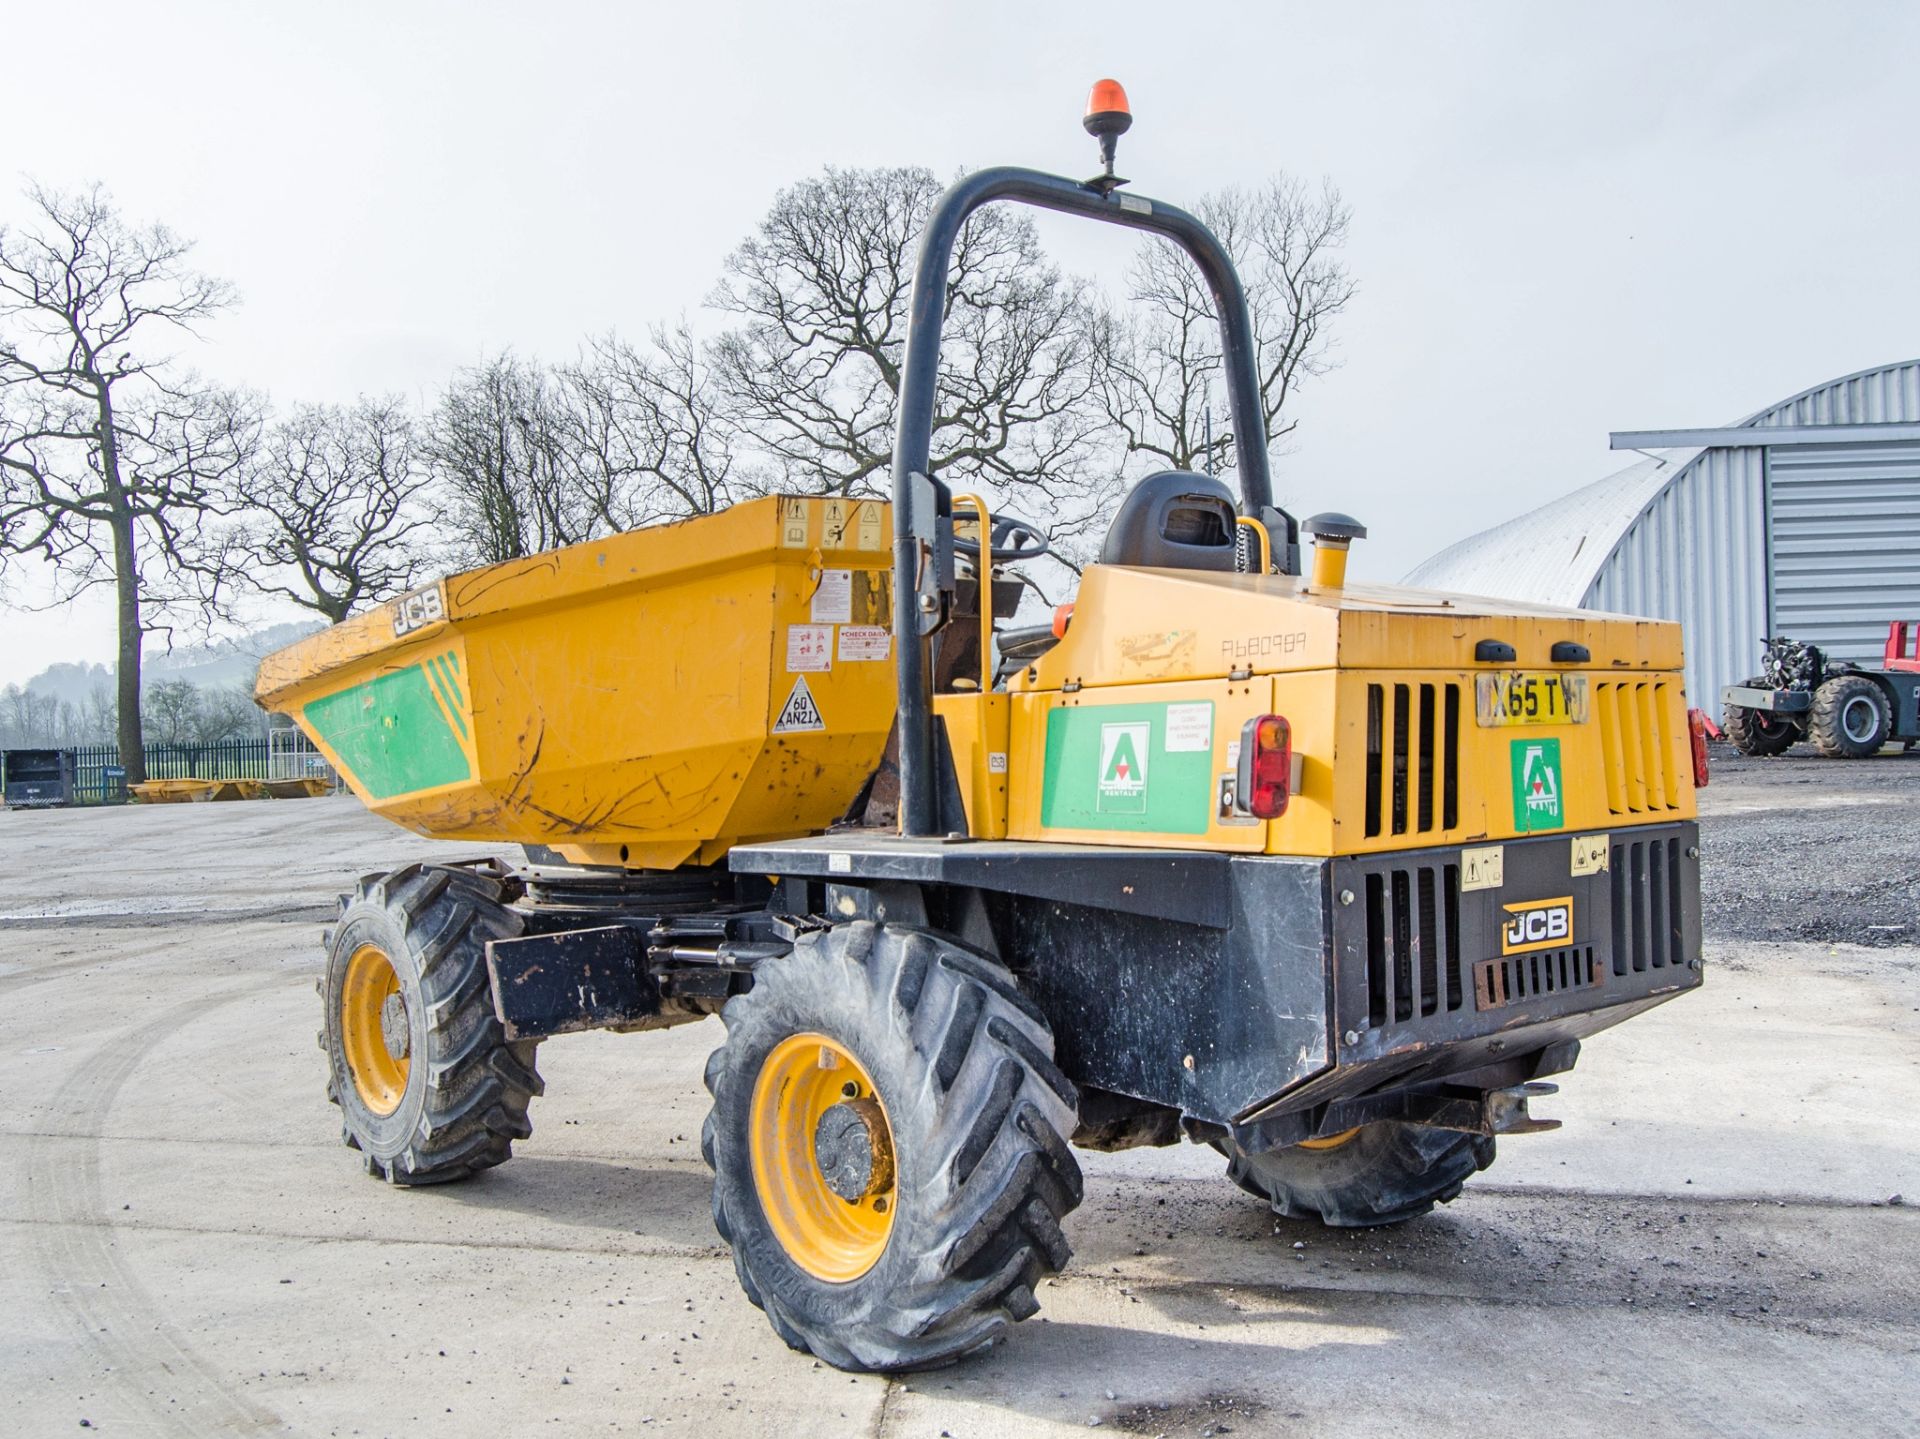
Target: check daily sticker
column 865, row 642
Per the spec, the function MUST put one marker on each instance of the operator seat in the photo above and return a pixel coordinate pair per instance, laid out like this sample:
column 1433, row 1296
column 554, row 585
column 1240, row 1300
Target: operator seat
column 1174, row 520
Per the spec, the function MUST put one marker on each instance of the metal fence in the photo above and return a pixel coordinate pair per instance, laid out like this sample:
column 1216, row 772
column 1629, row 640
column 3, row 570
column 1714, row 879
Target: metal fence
column 100, row 777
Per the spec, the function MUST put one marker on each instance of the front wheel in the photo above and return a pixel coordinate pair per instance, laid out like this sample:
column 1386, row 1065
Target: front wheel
column 888, row 1147
column 428, row 1085
column 1377, row 1174
column 1851, row 717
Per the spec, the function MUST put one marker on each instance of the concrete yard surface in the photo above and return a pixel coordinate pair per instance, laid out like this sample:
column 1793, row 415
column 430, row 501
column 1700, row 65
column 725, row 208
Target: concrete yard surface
column 1711, row 1246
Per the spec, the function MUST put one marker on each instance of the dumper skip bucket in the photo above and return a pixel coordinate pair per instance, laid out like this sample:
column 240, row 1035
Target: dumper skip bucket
column 648, row 700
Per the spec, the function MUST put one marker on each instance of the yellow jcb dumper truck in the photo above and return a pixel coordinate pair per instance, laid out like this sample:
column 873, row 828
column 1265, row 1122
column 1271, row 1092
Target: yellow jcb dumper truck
column 1326, row 876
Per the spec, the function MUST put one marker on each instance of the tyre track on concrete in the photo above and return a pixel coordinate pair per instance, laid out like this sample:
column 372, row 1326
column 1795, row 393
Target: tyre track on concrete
column 53, row 969
column 151, row 1368
column 111, row 955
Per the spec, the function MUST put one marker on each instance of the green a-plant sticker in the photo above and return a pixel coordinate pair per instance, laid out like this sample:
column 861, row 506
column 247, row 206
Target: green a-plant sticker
column 1537, row 790
column 1123, row 768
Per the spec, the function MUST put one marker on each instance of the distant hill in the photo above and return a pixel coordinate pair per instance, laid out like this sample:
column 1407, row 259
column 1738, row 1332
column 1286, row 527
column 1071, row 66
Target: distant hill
column 213, row 665
column 226, row 662
column 70, row 682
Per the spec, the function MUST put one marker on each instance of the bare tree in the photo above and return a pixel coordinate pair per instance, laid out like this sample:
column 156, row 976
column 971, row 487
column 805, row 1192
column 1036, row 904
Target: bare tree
column 110, row 460
column 812, row 364
column 1159, row 362
column 497, row 448
column 185, row 717
column 333, row 500
column 652, row 435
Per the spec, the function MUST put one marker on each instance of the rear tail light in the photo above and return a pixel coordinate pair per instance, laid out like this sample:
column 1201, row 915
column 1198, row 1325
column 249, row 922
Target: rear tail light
column 1266, row 766
column 1697, row 725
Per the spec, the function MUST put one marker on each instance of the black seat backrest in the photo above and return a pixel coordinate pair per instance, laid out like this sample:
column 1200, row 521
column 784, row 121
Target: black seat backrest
column 1174, row 520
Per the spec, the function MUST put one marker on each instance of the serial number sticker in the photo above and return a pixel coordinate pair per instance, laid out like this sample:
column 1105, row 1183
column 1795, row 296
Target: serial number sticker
column 1521, row 697
column 1591, row 854
column 1483, row 868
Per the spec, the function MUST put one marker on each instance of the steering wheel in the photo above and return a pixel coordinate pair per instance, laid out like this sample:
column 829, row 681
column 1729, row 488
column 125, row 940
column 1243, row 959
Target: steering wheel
column 1010, row 542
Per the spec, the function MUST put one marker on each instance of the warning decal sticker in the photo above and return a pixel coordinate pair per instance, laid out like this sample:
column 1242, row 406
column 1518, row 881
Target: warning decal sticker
column 809, row 649
column 799, row 712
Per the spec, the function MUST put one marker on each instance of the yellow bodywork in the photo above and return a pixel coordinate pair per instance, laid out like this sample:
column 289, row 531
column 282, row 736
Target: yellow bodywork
column 656, row 697
column 650, row 699
column 1378, row 685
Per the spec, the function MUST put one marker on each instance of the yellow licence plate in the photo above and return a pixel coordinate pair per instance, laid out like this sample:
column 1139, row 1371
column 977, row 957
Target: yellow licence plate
column 1530, row 697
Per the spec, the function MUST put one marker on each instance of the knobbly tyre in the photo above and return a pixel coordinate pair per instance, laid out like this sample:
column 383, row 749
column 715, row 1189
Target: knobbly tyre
column 1849, row 711
column 1328, row 877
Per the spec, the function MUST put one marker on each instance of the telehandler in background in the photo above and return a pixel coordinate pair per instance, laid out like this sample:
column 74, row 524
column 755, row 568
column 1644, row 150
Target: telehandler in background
column 1327, row 876
column 1849, row 711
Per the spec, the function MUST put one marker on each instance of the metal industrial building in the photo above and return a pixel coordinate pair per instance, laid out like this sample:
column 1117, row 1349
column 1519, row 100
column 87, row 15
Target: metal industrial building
column 1801, row 520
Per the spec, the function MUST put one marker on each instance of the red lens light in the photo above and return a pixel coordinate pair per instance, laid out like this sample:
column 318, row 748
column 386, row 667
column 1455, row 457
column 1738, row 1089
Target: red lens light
column 1697, row 734
column 1266, row 766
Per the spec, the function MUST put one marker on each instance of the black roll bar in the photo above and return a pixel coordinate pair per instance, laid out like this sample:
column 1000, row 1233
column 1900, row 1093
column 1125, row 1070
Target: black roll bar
column 920, row 501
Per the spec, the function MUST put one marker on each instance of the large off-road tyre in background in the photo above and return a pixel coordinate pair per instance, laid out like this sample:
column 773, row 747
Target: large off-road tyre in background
column 1377, row 1174
column 1756, row 732
column 429, row 1089
column 888, row 1143
column 1851, row 717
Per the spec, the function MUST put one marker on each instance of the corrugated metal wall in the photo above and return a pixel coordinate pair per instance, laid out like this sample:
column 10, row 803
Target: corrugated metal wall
column 1846, row 543
column 1699, row 555
column 1886, row 396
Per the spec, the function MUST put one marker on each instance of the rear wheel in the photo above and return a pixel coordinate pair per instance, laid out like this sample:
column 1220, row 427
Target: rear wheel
column 1757, row 732
column 429, row 1089
column 1850, row 717
column 1376, row 1174
column 888, row 1147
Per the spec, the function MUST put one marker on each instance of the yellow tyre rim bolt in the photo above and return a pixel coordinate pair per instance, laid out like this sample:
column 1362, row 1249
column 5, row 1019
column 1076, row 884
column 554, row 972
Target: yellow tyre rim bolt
column 833, row 1233
column 373, row 1030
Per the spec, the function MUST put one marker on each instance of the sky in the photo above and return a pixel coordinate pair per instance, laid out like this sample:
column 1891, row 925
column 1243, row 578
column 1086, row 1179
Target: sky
column 1567, row 218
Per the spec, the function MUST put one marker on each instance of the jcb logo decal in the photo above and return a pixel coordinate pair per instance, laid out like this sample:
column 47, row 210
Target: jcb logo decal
column 1537, row 924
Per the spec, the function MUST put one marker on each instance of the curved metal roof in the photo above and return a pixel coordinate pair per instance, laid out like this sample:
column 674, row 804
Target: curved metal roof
column 1553, row 554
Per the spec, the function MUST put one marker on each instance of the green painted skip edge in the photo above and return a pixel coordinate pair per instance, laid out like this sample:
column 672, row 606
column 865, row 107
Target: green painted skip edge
column 390, row 733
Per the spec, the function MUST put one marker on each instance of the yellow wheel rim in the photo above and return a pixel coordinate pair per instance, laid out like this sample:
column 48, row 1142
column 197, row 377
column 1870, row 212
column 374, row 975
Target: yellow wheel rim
column 831, row 1237
column 1332, row 1141
column 379, row 1075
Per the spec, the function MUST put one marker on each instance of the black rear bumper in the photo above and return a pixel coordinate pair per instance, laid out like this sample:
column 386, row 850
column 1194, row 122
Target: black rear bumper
column 1270, row 994
column 1429, row 977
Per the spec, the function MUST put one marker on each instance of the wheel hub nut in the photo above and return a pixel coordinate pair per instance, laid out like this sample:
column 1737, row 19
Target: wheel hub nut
column 853, row 1150
column 394, row 1029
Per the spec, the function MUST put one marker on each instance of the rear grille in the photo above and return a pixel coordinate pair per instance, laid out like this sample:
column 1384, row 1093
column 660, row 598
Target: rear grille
column 1648, row 905
column 1498, row 982
column 1636, row 753
column 1413, row 758
column 1413, row 943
